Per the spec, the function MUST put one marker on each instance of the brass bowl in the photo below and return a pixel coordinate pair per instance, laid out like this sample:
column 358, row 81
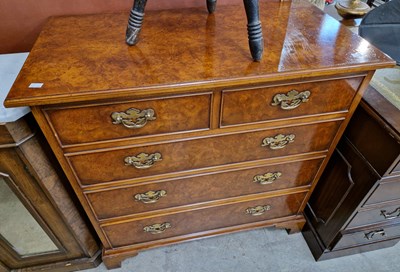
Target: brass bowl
column 352, row 7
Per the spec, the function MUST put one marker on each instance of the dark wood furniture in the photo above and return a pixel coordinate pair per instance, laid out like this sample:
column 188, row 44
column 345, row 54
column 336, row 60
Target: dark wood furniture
column 53, row 235
column 254, row 30
column 356, row 204
column 185, row 136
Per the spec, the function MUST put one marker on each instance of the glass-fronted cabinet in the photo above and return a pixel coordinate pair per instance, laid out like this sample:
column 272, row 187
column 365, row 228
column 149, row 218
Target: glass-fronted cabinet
column 41, row 228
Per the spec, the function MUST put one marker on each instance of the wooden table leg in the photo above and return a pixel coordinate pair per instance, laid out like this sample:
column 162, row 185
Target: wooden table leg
column 256, row 41
column 135, row 21
column 211, row 5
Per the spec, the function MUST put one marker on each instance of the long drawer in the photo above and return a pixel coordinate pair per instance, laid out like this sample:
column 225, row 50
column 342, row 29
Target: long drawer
column 159, row 227
column 130, row 163
column 280, row 102
column 379, row 215
column 184, row 191
column 75, row 125
column 368, row 236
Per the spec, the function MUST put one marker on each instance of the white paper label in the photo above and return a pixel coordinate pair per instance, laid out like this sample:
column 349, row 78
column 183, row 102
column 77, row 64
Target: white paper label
column 36, row 85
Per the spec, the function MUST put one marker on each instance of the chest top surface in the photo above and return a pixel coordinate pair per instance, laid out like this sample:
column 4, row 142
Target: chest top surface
column 80, row 58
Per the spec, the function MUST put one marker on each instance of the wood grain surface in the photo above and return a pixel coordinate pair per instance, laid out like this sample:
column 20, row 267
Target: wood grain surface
column 95, row 62
column 184, row 191
column 24, row 19
column 255, row 105
column 201, row 60
column 202, row 220
column 94, row 123
column 108, row 165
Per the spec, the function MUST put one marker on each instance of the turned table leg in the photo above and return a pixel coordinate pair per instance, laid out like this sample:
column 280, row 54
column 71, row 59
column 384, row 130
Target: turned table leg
column 256, row 42
column 135, row 21
column 211, row 4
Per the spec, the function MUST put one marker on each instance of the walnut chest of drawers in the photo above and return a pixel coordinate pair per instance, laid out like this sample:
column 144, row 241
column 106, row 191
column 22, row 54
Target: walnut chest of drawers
column 183, row 136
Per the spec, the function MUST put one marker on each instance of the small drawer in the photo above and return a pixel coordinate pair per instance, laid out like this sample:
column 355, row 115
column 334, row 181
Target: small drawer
column 177, row 192
column 77, row 125
column 144, row 161
column 387, row 190
column 368, row 236
column 280, row 102
column 380, row 215
column 160, row 227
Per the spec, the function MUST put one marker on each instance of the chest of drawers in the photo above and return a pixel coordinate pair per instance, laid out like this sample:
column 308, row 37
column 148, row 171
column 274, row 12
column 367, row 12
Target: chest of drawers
column 183, row 136
column 363, row 212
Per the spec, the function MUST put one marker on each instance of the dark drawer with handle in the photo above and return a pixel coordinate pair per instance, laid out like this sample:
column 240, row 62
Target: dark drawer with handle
column 367, row 236
column 387, row 190
column 379, row 215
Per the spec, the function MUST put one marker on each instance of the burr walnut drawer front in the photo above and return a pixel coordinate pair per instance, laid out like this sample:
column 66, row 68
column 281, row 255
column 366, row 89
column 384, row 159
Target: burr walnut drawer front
column 280, row 102
column 206, row 219
column 184, row 191
column 369, row 235
column 384, row 214
column 387, row 190
column 130, row 163
column 76, row 125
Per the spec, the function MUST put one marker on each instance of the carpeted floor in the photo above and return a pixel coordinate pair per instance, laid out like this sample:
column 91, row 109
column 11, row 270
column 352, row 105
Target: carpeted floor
column 267, row 250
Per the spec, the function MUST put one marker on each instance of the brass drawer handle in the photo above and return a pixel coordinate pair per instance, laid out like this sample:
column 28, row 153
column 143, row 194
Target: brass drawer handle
column 391, row 215
column 279, row 141
column 157, row 228
column 291, row 99
column 258, row 210
column 133, row 118
column 143, row 160
column 371, row 234
column 267, row 178
column 150, row 196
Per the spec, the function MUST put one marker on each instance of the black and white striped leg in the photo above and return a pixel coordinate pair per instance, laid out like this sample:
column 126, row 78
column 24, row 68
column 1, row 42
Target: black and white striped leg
column 135, row 22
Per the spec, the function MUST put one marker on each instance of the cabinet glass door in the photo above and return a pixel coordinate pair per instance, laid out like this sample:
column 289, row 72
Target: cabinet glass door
column 18, row 228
